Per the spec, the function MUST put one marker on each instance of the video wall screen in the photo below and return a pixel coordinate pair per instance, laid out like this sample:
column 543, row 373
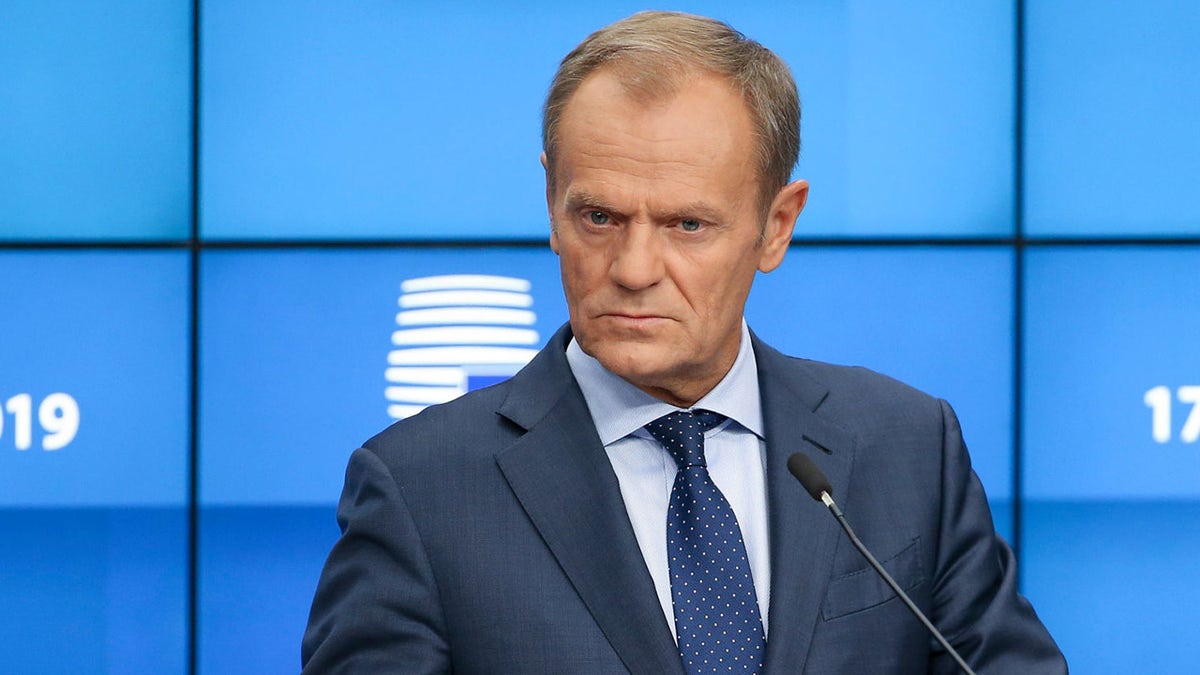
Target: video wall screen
column 93, row 461
column 328, row 120
column 95, row 120
column 1111, row 482
column 406, row 135
column 1111, row 93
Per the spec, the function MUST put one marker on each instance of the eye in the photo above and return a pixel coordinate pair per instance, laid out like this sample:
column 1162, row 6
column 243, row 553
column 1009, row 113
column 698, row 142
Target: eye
column 689, row 225
column 597, row 217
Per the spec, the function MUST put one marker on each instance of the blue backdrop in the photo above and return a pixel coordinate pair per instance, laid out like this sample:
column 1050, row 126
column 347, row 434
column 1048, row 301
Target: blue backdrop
column 1000, row 214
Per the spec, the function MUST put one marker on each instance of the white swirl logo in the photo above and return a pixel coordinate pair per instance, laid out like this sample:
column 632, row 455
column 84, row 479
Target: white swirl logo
column 457, row 332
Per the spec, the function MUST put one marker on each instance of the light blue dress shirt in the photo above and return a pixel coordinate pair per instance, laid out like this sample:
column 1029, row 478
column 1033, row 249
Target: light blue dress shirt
column 735, row 452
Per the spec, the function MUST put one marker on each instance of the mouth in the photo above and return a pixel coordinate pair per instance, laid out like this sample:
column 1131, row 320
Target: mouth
column 633, row 320
column 633, row 315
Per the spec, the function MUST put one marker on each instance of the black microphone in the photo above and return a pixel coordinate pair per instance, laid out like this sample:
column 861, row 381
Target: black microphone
column 817, row 485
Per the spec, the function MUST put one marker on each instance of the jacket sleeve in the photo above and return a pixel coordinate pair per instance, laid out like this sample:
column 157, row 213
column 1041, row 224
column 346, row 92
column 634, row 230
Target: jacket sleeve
column 976, row 602
column 376, row 607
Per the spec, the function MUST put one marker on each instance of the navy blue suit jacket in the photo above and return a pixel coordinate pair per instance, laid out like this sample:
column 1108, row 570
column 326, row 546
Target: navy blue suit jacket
column 488, row 535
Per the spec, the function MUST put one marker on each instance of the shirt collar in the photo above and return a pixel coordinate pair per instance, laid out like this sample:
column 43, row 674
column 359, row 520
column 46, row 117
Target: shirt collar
column 618, row 408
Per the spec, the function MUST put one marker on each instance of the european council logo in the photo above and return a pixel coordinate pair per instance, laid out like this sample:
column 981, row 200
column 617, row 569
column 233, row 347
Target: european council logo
column 457, row 332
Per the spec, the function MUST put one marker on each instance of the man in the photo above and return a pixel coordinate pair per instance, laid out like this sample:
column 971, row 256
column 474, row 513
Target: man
column 623, row 504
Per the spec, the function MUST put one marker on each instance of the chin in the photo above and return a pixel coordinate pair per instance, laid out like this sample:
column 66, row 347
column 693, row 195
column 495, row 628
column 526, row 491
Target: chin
column 639, row 366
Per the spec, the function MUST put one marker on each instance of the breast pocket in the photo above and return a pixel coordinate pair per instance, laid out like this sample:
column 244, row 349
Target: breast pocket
column 864, row 589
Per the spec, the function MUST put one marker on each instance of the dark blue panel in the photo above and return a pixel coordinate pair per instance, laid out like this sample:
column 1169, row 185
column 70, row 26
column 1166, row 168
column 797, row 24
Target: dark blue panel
column 1111, row 94
column 258, row 569
column 939, row 319
column 93, row 590
column 415, row 120
column 295, row 350
column 1113, row 582
column 95, row 140
column 107, row 330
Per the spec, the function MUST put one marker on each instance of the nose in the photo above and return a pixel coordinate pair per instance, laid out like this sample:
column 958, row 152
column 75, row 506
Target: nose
column 636, row 257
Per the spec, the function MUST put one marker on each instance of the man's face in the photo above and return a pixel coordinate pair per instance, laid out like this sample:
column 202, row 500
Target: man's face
column 656, row 222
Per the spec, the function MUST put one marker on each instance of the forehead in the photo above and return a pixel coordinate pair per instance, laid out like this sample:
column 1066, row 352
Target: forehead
column 699, row 130
column 629, row 87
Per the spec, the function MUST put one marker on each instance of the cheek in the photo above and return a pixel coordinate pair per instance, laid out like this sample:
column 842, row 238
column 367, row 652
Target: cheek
column 575, row 280
column 580, row 267
column 722, row 299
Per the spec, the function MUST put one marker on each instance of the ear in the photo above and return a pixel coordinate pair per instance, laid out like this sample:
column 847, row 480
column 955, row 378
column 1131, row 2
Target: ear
column 550, row 204
column 781, row 221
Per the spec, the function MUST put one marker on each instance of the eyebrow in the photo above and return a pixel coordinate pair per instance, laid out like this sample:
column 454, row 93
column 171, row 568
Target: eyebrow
column 580, row 198
column 576, row 199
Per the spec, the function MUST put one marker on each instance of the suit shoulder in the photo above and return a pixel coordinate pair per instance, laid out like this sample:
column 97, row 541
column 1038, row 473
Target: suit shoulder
column 864, row 395
column 842, row 379
column 447, row 435
column 818, row 381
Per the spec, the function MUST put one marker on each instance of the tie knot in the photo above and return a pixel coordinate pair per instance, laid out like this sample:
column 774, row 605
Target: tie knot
column 682, row 434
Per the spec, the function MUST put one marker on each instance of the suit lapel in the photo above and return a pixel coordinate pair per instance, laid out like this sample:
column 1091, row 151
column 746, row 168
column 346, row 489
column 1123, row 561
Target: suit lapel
column 588, row 533
column 803, row 535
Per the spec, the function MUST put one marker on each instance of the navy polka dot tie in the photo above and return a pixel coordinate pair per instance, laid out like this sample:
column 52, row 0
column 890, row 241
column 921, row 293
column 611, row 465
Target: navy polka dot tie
column 716, row 610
